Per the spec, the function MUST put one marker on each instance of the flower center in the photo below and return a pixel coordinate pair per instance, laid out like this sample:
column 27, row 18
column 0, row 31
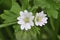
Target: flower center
column 26, row 20
column 39, row 19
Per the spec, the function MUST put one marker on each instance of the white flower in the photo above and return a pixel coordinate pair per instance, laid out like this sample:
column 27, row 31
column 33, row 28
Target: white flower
column 40, row 18
column 25, row 20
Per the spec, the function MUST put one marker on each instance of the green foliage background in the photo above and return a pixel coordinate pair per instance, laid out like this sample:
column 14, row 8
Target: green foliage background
column 10, row 30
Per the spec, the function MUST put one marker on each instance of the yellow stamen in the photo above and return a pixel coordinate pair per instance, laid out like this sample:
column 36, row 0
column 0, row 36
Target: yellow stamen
column 38, row 19
column 26, row 19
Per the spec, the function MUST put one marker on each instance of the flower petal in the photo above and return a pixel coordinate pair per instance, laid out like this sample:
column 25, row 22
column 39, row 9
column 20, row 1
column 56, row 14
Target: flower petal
column 22, row 27
column 20, row 22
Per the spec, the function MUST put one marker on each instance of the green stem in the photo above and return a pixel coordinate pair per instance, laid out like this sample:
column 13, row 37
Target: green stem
column 52, row 24
column 4, row 25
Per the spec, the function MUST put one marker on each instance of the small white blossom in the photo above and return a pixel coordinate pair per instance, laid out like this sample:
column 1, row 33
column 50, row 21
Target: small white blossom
column 25, row 20
column 40, row 18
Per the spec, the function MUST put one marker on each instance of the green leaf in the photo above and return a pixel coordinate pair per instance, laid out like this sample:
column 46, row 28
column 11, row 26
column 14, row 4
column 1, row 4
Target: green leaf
column 41, row 3
column 16, row 27
column 5, row 25
column 25, row 4
column 9, row 16
column 15, row 8
column 9, row 32
column 49, row 5
column 53, row 4
column 57, row 22
column 23, row 34
column 52, row 13
column 5, row 5
column 51, row 33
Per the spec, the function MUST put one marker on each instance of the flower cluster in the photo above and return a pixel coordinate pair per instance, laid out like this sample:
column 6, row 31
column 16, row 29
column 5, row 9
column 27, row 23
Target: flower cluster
column 26, row 19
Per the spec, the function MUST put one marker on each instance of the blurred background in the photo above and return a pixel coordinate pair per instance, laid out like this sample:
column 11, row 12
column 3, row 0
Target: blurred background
column 10, row 30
